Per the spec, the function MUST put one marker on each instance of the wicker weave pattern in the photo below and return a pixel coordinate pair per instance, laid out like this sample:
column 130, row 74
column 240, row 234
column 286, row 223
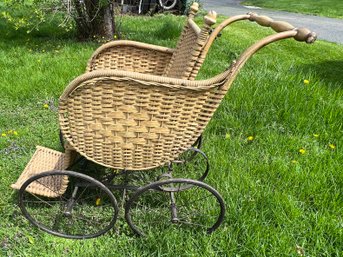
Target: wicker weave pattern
column 185, row 56
column 183, row 62
column 131, row 58
column 45, row 159
column 127, row 124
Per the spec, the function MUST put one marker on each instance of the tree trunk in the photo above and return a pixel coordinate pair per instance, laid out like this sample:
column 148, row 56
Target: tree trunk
column 94, row 19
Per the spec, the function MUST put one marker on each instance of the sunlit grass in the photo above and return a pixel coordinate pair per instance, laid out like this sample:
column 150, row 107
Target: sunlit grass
column 279, row 200
column 328, row 8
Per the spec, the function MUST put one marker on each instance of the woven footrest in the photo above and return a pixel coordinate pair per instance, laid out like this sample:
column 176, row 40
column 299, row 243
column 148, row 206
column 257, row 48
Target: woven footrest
column 44, row 159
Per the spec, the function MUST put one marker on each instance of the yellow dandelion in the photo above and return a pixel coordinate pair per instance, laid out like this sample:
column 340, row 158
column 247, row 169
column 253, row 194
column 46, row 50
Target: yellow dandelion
column 302, row 151
column 294, row 161
column 250, row 138
column 98, row 201
column 46, row 106
column 332, row 146
column 3, row 134
column 15, row 133
column 316, row 135
column 227, row 136
column 306, row 81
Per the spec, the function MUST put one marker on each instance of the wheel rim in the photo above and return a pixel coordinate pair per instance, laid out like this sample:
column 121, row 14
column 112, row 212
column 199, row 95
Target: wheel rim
column 91, row 212
column 193, row 164
column 150, row 209
column 167, row 4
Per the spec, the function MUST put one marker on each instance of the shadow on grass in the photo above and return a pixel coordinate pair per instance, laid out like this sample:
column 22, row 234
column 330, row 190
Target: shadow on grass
column 328, row 70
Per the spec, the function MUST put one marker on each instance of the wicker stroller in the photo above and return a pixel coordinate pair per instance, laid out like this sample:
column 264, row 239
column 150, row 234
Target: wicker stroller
column 137, row 108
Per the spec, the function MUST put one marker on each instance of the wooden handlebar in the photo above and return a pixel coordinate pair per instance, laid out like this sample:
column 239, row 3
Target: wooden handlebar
column 303, row 34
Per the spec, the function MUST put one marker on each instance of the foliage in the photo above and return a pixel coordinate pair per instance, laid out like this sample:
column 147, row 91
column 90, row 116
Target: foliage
column 30, row 14
column 90, row 17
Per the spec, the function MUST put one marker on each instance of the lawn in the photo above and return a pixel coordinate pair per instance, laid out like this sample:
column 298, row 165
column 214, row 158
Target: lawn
column 327, row 8
column 274, row 144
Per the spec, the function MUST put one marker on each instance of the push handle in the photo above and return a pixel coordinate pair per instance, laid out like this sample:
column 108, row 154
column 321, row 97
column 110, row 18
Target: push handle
column 303, row 34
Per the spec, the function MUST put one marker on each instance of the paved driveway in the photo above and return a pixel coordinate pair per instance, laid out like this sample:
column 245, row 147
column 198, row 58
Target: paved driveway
column 326, row 28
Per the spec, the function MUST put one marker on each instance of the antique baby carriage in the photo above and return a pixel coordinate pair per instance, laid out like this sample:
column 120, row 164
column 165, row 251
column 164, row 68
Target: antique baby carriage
column 137, row 108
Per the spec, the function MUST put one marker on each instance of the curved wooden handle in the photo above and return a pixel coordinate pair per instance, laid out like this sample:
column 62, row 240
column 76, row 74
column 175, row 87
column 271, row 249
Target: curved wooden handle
column 303, row 34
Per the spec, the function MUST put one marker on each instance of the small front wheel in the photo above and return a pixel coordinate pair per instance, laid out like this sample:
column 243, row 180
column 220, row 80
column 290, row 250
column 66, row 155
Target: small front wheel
column 68, row 204
column 153, row 209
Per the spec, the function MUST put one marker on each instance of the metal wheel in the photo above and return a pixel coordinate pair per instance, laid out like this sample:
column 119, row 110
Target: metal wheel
column 193, row 164
column 84, row 209
column 151, row 209
column 167, row 4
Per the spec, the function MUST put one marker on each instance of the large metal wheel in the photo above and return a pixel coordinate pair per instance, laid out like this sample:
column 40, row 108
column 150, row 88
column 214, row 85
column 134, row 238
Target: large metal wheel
column 167, row 4
column 153, row 209
column 84, row 208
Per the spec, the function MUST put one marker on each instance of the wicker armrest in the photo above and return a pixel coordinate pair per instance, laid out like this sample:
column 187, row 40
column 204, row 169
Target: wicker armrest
column 131, row 56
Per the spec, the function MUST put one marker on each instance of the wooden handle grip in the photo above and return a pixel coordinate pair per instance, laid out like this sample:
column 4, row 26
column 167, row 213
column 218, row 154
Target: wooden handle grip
column 303, row 34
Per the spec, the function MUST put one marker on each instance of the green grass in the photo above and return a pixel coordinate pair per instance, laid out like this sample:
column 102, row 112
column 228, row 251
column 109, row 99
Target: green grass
column 277, row 199
column 328, row 8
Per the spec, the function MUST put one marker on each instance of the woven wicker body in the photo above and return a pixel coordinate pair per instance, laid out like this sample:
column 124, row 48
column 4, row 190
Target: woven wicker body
column 45, row 159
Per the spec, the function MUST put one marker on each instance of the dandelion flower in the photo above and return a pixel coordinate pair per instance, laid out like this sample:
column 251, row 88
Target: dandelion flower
column 250, row 138
column 294, row 161
column 3, row 134
column 302, row 151
column 332, row 146
column 306, row 81
column 98, row 201
column 227, row 136
column 316, row 135
column 46, row 106
column 15, row 133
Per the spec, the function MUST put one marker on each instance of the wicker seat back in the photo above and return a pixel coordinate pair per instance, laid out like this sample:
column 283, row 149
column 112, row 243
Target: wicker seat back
column 186, row 62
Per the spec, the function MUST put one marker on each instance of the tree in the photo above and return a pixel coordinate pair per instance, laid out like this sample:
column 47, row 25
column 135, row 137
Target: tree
column 90, row 17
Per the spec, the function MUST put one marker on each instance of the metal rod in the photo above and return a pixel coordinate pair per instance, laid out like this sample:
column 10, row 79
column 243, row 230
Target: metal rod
column 71, row 202
column 173, row 209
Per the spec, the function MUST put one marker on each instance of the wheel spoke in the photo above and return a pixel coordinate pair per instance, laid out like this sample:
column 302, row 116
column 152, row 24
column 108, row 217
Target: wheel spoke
column 40, row 199
column 59, row 195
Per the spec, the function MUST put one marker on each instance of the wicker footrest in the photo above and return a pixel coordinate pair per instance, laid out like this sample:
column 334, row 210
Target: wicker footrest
column 44, row 159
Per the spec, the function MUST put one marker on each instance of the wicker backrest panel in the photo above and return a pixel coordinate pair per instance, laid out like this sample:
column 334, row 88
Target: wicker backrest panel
column 186, row 56
column 130, row 58
column 124, row 124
